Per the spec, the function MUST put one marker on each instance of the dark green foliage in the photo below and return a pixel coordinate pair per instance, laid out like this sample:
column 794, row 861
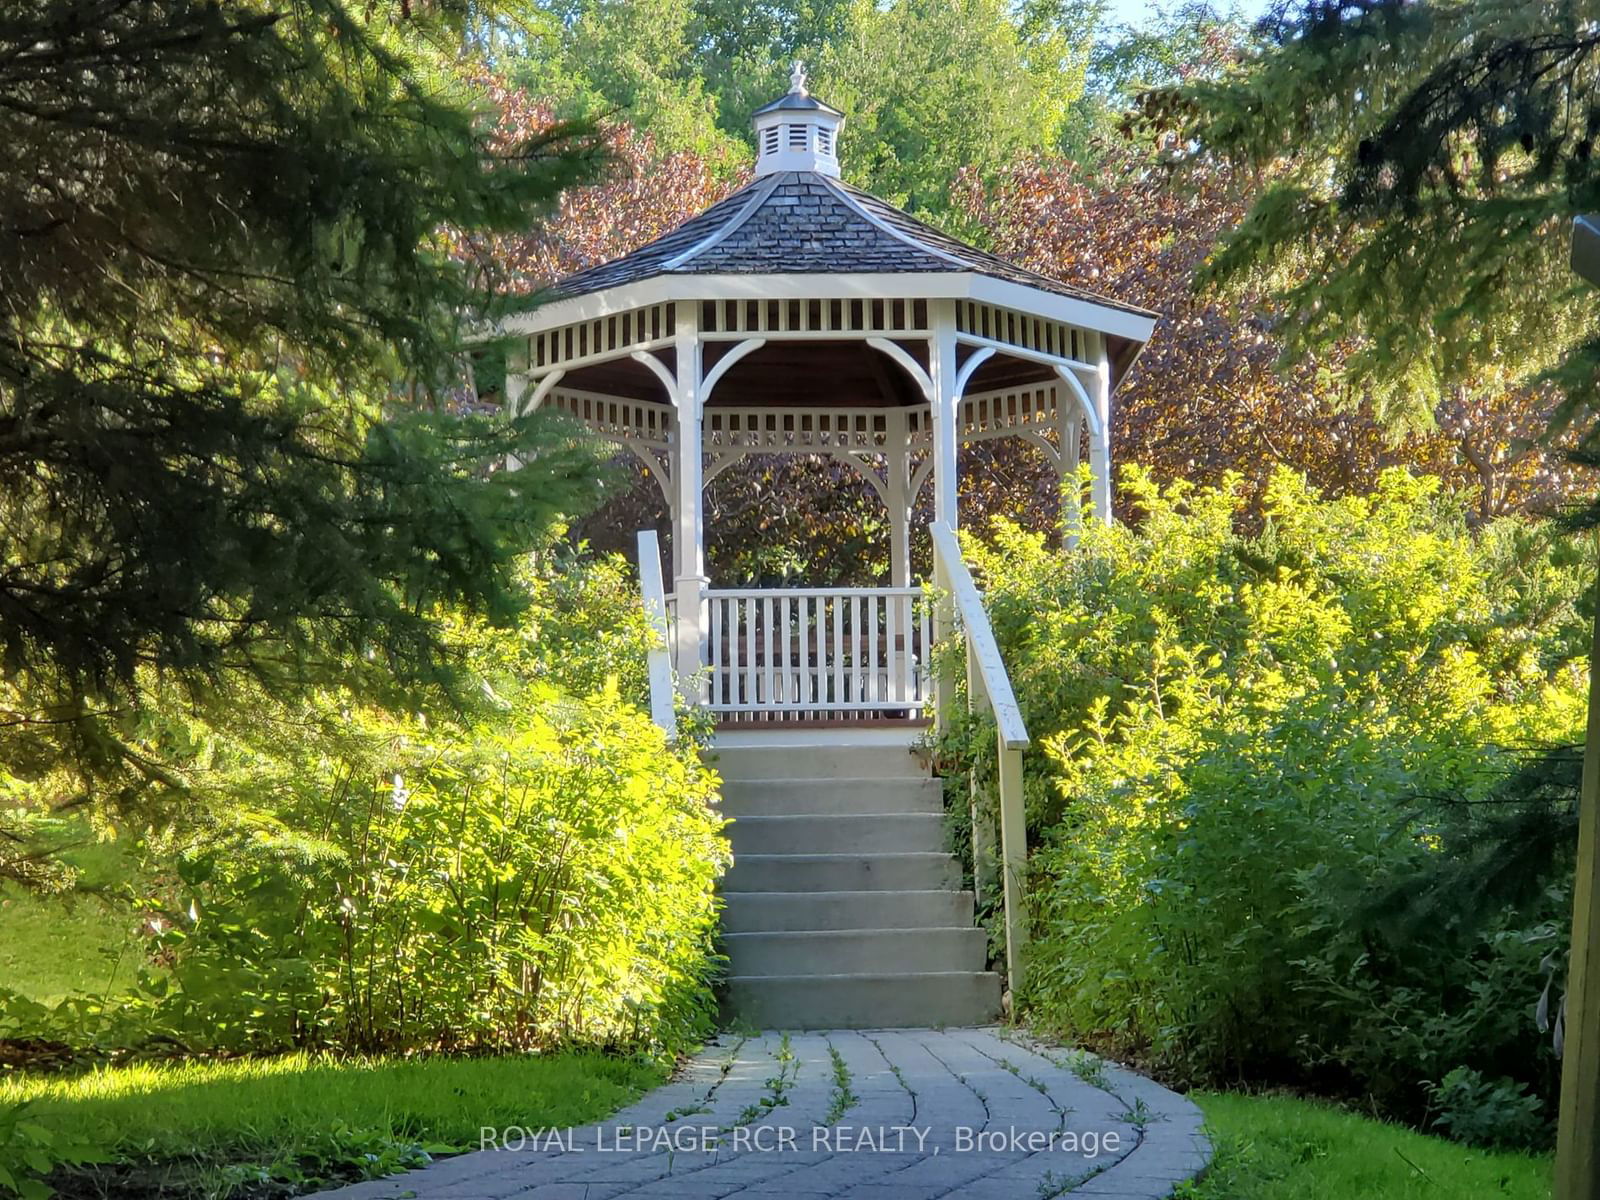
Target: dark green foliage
column 1500, row 851
column 198, row 530
column 1483, row 1112
column 1424, row 161
column 271, row 176
column 227, row 290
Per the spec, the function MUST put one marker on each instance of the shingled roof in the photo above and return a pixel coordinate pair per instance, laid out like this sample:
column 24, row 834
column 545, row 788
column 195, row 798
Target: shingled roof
column 804, row 222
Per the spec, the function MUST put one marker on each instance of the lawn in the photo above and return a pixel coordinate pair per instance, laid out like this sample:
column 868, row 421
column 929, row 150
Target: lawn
column 50, row 947
column 277, row 1126
column 256, row 1128
column 87, row 941
column 1271, row 1148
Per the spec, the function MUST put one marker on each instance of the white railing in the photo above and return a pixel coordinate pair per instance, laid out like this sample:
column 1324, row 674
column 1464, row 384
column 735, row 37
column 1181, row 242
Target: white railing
column 654, row 593
column 788, row 654
column 989, row 685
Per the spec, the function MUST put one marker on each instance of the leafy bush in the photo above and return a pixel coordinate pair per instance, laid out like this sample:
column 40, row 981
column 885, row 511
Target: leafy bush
column 536, row 868
column 1245, row 740
column 1488, row 1113
column 29, row 1152
column 544, row 874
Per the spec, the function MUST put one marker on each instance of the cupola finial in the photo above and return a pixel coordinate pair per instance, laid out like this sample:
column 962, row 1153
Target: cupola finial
column 797, row 79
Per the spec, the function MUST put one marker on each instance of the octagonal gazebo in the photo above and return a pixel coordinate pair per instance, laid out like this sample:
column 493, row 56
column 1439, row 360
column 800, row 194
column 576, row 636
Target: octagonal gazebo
column 803, row 316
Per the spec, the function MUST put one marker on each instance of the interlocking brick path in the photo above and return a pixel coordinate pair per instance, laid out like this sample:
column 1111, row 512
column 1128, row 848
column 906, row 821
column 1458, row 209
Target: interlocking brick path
column 869, row 1115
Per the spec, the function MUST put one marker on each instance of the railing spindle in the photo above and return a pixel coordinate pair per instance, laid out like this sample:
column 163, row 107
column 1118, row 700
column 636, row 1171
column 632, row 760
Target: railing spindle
column 772, row 650
column 874, row 626
column 747, row 650
column 788, row 687
column 891, row 664
column 839, row 648
column 821, row 654
column 925, row 653
column 808, row 675
column 715, row 623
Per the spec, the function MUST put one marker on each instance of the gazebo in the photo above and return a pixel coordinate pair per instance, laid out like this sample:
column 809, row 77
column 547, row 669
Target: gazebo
column 803, row 316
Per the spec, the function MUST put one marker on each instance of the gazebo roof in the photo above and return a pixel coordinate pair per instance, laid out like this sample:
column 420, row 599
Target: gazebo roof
column 797, row 101
column 805, row 222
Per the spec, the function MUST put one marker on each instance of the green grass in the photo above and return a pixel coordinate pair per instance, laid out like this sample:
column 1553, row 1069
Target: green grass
column 51, row 946
column 1272, row 1148
column 280, row 1125
column 84, row 941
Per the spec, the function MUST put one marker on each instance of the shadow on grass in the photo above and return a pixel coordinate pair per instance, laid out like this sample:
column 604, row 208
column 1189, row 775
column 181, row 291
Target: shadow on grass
column 288, row 1125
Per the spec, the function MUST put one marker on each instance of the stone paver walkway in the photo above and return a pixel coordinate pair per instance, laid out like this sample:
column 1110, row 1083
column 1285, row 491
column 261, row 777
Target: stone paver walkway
column 973, row 1114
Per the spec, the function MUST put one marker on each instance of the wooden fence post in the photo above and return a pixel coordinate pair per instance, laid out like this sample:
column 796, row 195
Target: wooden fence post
column 1578, row 1129
column 1577, row 1168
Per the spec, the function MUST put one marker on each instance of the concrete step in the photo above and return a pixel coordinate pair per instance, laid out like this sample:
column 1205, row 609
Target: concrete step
column 842, row 873
column 954, row 998
column 818, row 761
column 856, row 833
column 857, row 951
column 782, row 912
column 819, row 797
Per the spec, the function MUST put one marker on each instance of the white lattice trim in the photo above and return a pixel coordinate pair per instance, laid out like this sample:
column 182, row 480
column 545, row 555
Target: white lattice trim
column 595, row 340
column 632, row 422
column 808, row 430
column 752, row 430
column 814, row 318
column 1008, row 327
column 1008, row 412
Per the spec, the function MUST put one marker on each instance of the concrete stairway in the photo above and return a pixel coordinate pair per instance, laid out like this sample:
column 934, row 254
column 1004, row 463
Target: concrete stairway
column 842, row 909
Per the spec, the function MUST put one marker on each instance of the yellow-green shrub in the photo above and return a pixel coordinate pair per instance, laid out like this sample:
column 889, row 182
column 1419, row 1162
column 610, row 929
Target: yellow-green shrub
column 523, row 863
column 1242, row 740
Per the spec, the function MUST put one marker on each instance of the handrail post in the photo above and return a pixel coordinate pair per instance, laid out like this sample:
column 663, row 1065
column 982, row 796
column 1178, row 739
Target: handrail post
column 1013, row 861
column 943, row 622
column 653, row 591
column 983, row 850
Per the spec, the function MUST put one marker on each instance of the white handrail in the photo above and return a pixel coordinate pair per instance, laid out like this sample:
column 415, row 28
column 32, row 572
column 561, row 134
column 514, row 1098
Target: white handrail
column 988, row 682
column 980, row 636
column 746, row 593
column 654, row 593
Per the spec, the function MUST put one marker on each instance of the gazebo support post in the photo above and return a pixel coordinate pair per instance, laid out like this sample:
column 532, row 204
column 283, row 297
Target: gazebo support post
column 945, row 402
column 897, row 491
column 1069, row 441
column 516, row 388
column 1100, row 432
column 688, row 534
column 1578, row 1126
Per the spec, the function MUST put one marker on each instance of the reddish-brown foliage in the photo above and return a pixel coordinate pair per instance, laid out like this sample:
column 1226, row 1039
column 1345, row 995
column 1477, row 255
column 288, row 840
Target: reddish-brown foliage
column 640, row 195
column 1208, row 395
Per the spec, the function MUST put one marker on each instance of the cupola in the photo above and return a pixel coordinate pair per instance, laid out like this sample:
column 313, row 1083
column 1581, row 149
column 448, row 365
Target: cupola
column 797, row 132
